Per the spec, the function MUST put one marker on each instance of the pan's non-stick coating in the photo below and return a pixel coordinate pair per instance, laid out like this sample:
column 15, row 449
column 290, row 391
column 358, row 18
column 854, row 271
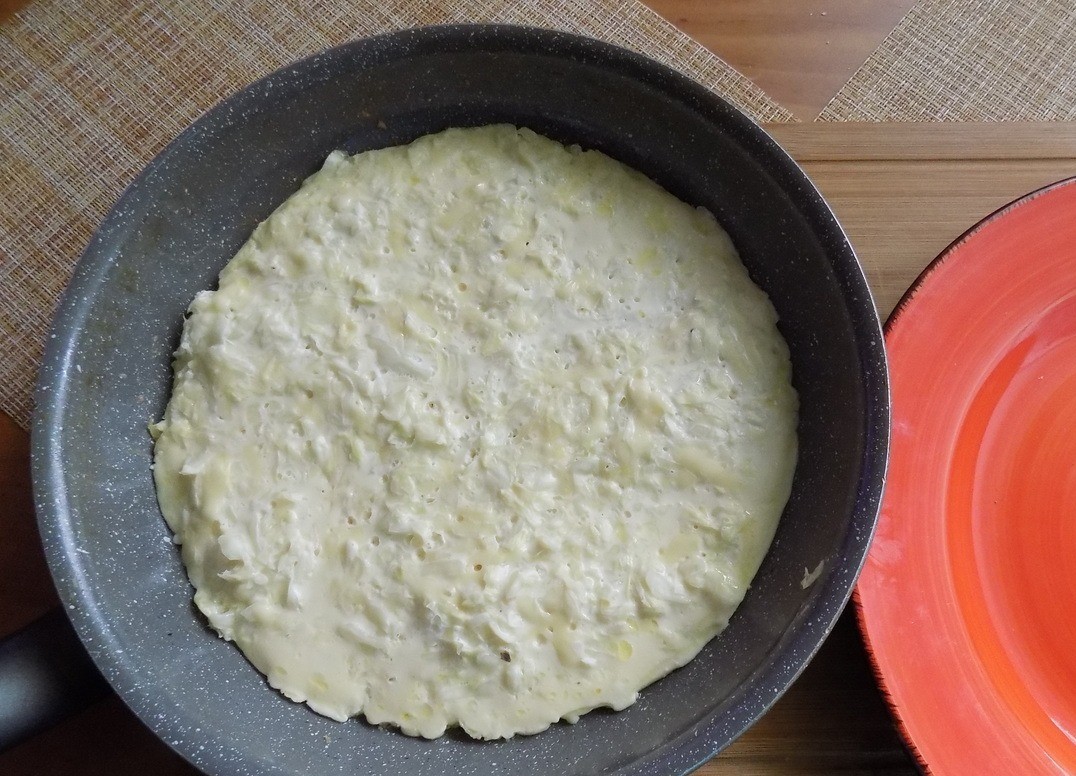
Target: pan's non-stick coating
column 107, row 374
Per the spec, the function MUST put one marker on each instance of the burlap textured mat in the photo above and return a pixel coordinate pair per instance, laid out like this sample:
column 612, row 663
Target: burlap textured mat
column 969, row 60
column 89, row 92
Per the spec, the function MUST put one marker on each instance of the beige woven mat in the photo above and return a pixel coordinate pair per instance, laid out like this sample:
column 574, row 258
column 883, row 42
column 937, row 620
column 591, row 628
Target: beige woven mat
column 89, row 92
column 969, row 60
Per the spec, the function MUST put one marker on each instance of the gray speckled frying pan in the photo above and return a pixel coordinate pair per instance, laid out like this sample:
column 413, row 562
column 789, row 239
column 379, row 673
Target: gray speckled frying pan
column 106, row 374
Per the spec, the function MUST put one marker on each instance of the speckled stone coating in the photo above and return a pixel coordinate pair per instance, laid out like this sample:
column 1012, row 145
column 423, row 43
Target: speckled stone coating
column 106, row 375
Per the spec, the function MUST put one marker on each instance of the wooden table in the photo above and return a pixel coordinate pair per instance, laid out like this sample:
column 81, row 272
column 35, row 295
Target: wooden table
column 902, row 192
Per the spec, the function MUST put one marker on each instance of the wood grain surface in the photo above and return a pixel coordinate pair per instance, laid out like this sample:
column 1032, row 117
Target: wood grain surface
column 800, row 52
column 902, row 192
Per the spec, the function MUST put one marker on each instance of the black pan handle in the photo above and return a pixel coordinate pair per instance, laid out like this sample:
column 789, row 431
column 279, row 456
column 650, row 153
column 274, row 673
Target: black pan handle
column 45, row 676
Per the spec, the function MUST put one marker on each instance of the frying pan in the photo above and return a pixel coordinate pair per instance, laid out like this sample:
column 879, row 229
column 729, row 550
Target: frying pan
column 106, row 375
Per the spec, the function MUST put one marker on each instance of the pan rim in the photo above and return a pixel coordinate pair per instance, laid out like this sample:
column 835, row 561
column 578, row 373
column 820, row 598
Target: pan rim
column 694, row 746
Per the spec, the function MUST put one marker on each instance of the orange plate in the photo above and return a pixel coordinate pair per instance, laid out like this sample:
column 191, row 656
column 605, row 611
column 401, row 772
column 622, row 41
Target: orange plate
column 968, row 596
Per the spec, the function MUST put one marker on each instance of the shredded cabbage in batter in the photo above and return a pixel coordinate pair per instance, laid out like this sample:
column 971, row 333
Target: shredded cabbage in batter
column 479, row 431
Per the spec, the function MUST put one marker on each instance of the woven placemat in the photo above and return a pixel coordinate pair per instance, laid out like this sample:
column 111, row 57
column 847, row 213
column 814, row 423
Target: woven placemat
column 969, row 60
column 89, row 92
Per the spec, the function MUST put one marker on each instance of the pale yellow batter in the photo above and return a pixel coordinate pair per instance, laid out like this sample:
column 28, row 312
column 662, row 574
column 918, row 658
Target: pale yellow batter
column 482, row 431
